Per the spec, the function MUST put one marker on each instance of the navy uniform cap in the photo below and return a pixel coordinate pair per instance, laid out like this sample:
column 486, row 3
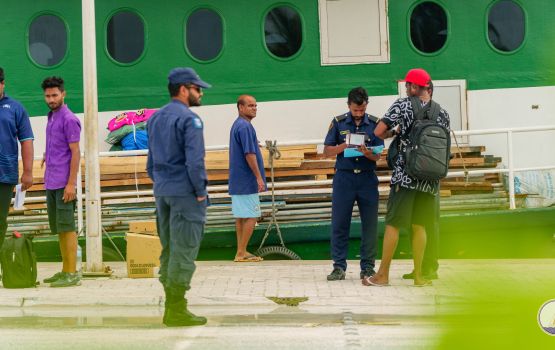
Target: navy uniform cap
column 186, row 75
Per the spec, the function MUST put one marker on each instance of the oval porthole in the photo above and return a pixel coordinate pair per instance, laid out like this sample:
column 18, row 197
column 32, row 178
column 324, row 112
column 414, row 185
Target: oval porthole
column 47, row 40
column 204, row 33
column 428, row 27
column 506, row 25
column 283, row 32
column 125, row 37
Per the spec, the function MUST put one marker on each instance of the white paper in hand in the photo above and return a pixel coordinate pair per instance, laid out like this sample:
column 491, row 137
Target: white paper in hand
column 19, row 198
column 355, row 139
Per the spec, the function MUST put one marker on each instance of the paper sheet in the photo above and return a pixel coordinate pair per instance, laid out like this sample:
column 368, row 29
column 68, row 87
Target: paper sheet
column 355, row 139
column 353, row 152
column 19, row 198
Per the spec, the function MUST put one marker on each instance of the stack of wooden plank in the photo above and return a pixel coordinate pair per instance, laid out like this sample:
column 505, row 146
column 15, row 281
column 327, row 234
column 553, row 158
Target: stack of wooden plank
column 302, row 193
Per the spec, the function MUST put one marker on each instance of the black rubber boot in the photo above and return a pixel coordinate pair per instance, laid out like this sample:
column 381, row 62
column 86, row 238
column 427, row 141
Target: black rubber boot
column 176, row 313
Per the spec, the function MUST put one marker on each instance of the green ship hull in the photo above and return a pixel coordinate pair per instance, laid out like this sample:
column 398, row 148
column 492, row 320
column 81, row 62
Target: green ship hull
column 511, row 234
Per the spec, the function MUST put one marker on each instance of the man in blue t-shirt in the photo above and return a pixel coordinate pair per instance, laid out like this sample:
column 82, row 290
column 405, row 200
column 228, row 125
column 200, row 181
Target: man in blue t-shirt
column 246, row 176
column 14, row 126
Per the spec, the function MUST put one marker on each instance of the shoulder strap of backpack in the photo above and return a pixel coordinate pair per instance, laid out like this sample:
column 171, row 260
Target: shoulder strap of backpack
column 435, row 108
column 419, row 111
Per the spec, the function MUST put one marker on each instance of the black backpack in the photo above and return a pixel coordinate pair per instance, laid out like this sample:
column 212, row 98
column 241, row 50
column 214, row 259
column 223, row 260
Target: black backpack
column 427, row 157
column 19, row 262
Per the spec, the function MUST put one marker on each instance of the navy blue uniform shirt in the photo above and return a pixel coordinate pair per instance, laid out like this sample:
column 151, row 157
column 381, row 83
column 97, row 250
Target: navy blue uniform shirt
column 14, row 125
column 339, row 128
column 176, row 152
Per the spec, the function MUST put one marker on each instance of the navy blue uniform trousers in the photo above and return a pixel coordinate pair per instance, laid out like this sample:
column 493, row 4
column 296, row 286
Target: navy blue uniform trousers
column 349, row 188
column 180, row 222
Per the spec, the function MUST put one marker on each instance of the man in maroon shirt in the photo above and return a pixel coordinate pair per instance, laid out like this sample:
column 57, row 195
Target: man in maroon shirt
column 62, row 159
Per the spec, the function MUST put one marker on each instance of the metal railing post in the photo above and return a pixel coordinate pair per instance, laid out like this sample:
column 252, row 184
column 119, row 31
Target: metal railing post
column 511, row 170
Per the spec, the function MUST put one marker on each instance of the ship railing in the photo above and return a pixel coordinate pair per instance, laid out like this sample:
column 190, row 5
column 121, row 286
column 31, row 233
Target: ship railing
column 510, row 169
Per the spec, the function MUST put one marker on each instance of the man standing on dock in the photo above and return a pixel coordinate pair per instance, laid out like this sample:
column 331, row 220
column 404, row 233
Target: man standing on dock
column 176, row 166
column 62, row 158
column 412, row 203
column 14, row 126
column 246, row 176
column 354, row 180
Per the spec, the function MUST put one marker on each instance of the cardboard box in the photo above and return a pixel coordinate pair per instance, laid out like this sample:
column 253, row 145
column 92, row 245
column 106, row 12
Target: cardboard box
column 143, row 254
column 147, row 227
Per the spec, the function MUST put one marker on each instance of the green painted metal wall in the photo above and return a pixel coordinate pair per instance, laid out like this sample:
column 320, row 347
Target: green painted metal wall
column 245, row 65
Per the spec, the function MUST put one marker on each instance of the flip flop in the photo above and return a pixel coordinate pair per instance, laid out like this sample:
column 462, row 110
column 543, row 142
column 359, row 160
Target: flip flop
column 252, row 256
column 426, row 283
column 249, row 259
column 367, row 281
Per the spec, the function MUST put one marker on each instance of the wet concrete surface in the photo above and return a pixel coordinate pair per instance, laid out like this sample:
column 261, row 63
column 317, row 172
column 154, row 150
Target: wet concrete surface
column 233, row 327
column 489, row 304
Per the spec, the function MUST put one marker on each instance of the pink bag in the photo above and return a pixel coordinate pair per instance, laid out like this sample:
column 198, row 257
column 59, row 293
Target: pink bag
column 130, row 118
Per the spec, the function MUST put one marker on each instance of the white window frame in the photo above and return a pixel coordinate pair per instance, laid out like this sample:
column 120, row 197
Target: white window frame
column 327, row 60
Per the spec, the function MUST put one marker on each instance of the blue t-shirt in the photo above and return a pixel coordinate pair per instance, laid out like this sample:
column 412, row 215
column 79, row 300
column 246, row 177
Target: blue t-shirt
column 243, row 141
column 14, row 126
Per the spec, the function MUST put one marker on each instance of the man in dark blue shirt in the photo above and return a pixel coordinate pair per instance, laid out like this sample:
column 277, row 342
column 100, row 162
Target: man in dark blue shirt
column 14, row 126
column 354, row 180
column 246, row 176
column 176, row 166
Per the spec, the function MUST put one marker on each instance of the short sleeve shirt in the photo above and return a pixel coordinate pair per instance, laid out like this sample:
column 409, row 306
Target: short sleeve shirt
column 343, row 125
column 63, row 128
column 243, row 141
column 14, row 126
column 401, row 113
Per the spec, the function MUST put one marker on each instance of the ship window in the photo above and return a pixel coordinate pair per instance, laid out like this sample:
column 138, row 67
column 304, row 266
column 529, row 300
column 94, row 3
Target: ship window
column 283, row 31
column 204, row 34
column 125, row 36
column 353, row 32
column 428, row 27
column 506, row 25
column 47, row 40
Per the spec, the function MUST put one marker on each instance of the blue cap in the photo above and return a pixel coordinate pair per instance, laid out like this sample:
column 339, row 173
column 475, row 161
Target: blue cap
column 186, row 75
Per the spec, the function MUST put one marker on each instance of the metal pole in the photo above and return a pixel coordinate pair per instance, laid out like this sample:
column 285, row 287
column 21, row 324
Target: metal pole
column 79, row 202
column 92, row 169
column 511, row 170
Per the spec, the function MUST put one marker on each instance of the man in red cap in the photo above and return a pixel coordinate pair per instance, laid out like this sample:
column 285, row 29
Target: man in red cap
column 412, row 202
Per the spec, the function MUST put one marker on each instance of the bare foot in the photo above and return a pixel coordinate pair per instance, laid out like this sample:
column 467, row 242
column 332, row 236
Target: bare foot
column 376, row 280
column 421, row 282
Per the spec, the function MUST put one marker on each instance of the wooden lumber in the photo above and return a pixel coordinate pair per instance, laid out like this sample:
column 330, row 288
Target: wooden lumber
column 296, row 202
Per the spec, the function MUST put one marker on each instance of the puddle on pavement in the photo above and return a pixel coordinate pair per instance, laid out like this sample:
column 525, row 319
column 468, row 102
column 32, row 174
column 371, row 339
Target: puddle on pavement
column 280, row 316
column 78, row 322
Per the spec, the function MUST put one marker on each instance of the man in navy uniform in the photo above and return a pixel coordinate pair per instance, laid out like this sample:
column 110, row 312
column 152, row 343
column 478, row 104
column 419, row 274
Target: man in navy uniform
column 354, row 180
column 176, row 166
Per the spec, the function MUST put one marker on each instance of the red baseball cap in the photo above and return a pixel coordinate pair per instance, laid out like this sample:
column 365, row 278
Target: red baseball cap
column 418, row 76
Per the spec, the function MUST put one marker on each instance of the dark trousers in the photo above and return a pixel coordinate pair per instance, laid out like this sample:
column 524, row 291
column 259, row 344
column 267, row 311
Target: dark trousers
column 430, row 261
column 349, row 188
column 180, row 222
column 6, row 194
